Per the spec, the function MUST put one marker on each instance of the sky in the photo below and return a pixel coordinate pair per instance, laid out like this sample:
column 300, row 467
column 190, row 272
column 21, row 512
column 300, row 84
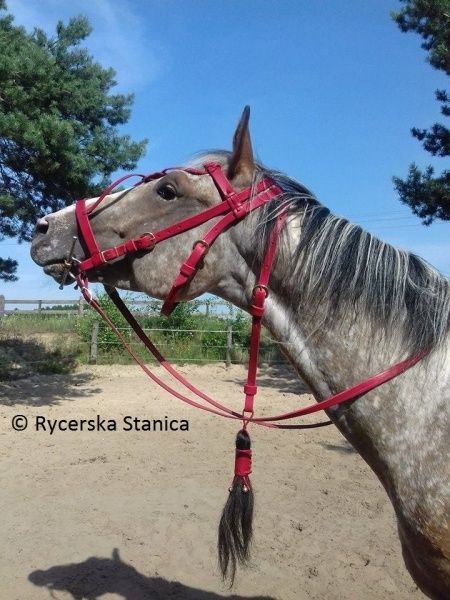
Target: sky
column 333, row 85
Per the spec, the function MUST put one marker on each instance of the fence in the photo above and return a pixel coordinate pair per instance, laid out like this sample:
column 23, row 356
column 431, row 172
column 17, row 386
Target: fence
column 79, row 306
column 217, row 332
column 228, row 351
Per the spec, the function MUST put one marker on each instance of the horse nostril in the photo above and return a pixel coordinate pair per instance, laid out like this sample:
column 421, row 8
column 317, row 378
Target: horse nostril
column 42, row 226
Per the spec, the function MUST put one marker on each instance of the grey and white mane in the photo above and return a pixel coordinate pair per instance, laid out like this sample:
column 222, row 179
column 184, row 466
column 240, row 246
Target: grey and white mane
column 345, row 269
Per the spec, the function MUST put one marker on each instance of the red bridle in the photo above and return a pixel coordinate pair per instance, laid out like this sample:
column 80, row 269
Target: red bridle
column 235, row 205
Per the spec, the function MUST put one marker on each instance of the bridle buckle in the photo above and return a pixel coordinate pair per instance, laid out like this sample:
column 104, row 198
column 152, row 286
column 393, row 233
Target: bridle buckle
column 152, row 240
column 201, row 243
column 206, row 247
column 261, row 287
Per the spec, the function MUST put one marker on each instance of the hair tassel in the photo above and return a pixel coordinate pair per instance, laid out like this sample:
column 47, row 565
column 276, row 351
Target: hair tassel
column 235, row 528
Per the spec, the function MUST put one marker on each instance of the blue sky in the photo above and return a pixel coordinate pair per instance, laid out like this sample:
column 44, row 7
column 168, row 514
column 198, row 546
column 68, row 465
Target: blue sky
column 334, row 88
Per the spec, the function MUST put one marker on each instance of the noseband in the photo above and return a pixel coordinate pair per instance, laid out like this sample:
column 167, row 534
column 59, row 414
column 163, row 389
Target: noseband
column 234, row 206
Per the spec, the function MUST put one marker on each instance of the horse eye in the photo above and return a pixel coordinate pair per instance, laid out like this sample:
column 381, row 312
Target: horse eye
column 167, row 192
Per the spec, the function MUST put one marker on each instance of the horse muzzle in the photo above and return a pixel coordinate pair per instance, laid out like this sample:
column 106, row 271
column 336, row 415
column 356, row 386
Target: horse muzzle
column 54, row 252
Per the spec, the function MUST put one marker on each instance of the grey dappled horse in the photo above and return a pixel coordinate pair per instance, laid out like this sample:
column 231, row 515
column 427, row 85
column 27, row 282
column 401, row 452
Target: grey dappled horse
column 343, row 305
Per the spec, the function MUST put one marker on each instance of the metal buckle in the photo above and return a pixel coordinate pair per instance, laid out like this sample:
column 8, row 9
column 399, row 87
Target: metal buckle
column 152, row 239
column 264, row 288
column 202, row 243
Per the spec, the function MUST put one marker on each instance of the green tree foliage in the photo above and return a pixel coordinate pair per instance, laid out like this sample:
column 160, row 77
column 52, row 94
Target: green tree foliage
column 426, row 193
column 59, row 139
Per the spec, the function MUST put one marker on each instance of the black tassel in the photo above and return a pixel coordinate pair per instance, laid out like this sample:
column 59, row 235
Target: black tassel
column 235, row 528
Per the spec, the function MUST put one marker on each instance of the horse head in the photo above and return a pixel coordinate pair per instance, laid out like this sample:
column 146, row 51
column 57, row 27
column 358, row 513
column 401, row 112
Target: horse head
column 156, row 203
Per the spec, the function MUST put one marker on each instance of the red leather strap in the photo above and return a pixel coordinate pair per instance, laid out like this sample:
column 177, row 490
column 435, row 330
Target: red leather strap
column 351, row 393
column 222, row 183
column 187, row 271
column 146, row 241
column 243, row 463
column 260, row 293
column 111, row 187
column 193, row 262
column 266, row 191
column 87, row 237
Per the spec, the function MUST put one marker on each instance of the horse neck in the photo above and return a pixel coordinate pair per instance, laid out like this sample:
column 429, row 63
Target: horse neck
column 348, row 349
column 328, row 354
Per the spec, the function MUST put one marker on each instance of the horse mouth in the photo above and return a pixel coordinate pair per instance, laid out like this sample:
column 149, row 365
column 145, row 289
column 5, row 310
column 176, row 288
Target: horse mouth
column 57, row 270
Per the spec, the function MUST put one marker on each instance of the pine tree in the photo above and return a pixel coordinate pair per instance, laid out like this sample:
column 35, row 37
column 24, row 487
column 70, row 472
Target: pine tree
column 59, row 139
column 426, row 193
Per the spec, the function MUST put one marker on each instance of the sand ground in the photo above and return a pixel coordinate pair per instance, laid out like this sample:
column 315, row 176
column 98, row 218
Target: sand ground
column 133, row 514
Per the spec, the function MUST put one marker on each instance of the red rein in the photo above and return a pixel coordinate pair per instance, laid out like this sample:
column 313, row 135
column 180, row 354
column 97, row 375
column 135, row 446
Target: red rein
column 234, row 207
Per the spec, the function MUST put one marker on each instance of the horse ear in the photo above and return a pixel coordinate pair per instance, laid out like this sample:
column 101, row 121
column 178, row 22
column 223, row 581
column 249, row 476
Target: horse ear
column 241, row 162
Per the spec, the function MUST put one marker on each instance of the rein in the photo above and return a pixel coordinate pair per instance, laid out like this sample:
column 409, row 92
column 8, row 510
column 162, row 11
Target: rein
column 235, row 206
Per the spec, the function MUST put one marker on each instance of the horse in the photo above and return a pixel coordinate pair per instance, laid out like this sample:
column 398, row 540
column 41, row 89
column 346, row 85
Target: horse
column 341, row 303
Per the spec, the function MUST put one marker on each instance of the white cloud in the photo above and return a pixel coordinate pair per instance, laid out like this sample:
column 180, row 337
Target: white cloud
column 118, row 40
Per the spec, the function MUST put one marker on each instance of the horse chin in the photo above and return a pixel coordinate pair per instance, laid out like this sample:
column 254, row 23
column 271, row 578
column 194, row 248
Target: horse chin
column 56, row 271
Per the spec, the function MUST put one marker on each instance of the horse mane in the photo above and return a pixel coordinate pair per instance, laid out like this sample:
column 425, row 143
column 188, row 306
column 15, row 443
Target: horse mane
column 346, row 270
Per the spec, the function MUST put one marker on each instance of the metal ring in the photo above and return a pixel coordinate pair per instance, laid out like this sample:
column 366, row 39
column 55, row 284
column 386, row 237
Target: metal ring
column 264, row 288
column 246, row 420
column 202, row 243
column 153, row 239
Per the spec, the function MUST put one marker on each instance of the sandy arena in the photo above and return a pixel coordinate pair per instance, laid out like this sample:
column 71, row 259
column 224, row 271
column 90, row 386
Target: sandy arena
column 133, row 515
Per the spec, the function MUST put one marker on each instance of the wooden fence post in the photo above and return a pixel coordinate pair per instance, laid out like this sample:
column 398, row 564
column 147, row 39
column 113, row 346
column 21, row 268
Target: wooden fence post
column 229, row 345
column 2, row 306
column 94, row 345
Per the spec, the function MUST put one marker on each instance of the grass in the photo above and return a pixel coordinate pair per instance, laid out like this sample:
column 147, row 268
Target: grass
column 48, row 343
column 37, row 354
column 32, row 323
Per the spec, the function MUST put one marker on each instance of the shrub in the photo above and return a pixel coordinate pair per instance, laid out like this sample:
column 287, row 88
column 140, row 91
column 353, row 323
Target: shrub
column 184, row 317
column 107, row 339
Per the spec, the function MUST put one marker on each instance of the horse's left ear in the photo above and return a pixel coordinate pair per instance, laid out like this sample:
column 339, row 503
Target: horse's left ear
column 241, row 163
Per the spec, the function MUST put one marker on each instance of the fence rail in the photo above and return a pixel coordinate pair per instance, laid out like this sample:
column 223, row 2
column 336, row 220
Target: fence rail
column 206, row 306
